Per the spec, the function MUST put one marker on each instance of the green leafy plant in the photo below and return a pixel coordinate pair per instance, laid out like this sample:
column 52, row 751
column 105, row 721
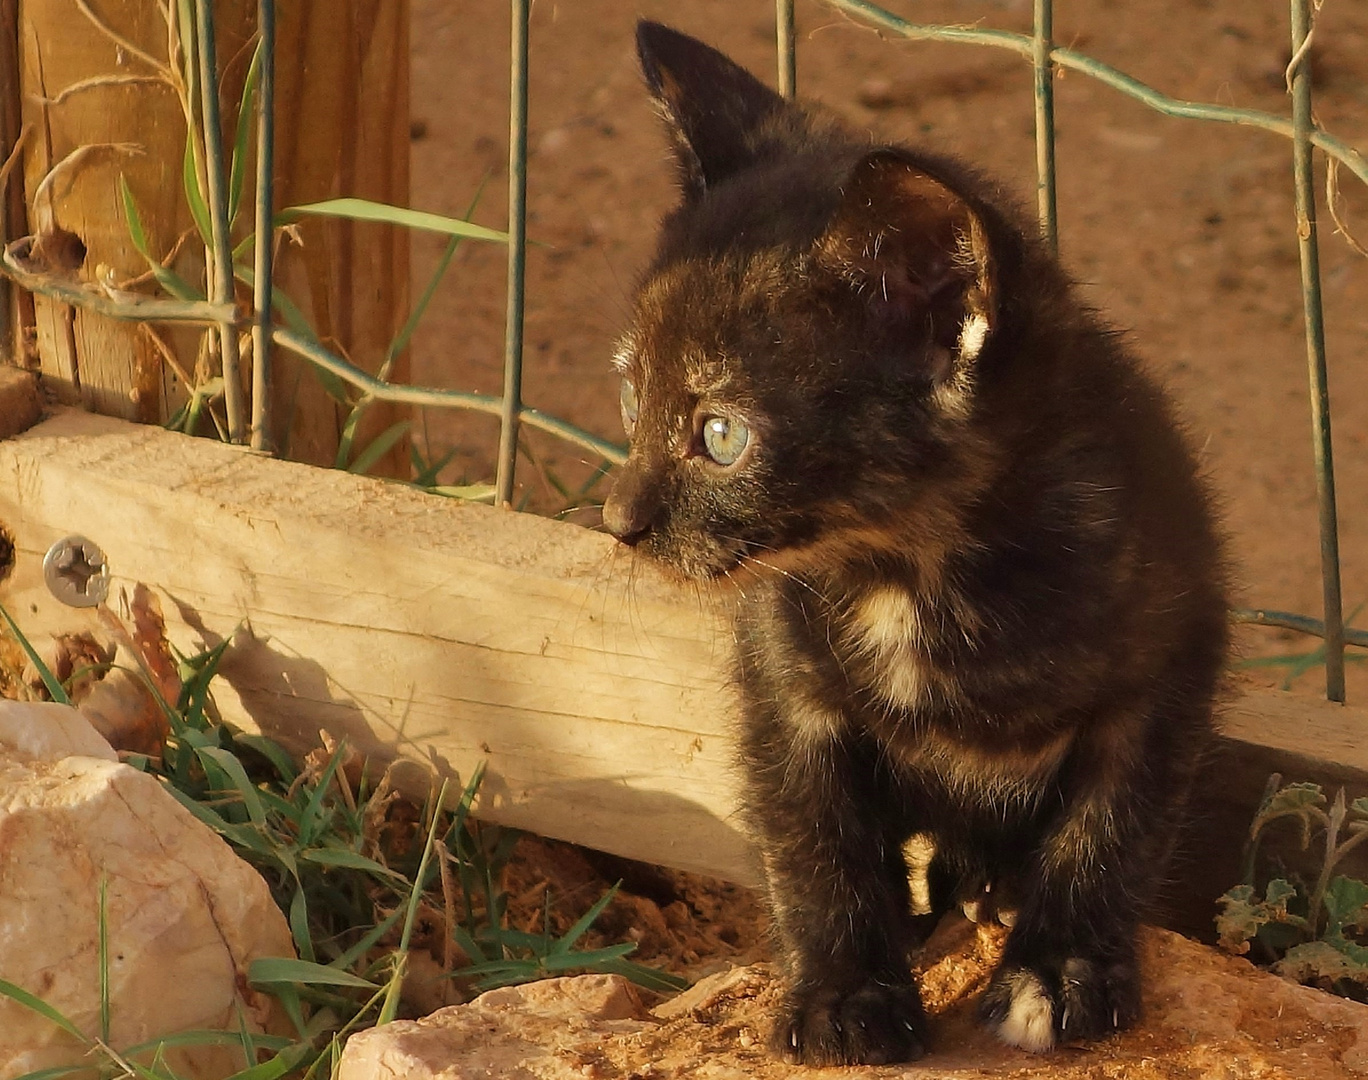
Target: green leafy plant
column 1313, row 931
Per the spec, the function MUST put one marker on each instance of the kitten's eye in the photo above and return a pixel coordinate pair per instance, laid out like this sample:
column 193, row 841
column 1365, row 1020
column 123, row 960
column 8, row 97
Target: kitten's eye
column 725, row 439
column 628, row 399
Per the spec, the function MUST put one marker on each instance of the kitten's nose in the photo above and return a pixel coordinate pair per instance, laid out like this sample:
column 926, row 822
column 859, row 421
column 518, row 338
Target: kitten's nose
column 624, row 520
column 630, row 507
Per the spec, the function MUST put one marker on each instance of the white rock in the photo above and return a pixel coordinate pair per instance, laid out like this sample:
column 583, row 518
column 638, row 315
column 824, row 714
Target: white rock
column 186, row 916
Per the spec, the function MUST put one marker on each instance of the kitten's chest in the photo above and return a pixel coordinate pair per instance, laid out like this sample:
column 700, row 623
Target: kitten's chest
column 891, row 642
column 878, row 651
column 884, row 664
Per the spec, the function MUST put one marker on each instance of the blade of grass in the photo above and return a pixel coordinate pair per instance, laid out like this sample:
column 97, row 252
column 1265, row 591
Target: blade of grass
column 649, row 977
column 391, row 1006
column 245, row 1040
column 299, row 924
column 288, row 996
column 244, row 128
column 243, row 836
column 348, row 436
column 348, row 958
column 605, row 467
column 272, row 751
column 350, row 859
column 55, row 1072
column 104, row 957
column 401, row 339
column 582, row 924
column 273, row 970
column 284, row 1062
column 312, row 817
column 335, row 386
column 200, row 398
column 194, row 198
column 167, row 278
column 379, row 447
column 53, row 684
column 36, row 1004
column 425, row 473
column 385, row 214
column 558, row 962
column 229, row 763
column 195, row 687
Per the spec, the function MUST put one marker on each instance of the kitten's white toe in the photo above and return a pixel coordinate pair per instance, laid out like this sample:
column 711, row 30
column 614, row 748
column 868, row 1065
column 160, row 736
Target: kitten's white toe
column 1029, row 1022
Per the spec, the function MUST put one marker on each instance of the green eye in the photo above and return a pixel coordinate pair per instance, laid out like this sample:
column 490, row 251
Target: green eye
column 628, row 399
column 725, row 439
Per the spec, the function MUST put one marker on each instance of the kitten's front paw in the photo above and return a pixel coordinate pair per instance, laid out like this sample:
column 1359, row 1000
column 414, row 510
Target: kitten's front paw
column 876, row 1024
column 1038, row 1007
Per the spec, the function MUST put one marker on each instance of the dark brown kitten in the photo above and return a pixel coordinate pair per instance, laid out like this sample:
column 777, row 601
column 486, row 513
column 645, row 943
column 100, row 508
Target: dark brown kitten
column 982, row 614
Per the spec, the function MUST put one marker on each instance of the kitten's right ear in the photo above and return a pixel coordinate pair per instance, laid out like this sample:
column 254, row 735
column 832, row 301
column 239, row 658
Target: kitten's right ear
column 710, row 104
column 916, row 254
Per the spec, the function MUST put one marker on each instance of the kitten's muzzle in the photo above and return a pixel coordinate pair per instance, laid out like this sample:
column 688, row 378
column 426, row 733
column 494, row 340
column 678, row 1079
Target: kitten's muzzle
column 631, row 507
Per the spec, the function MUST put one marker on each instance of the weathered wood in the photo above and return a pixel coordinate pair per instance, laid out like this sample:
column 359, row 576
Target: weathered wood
column 16, row 312
column 342, row 129
column 342, row 116
column 449, row 633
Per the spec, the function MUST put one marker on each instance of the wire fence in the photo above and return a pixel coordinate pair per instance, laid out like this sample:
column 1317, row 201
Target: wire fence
column 248, row 416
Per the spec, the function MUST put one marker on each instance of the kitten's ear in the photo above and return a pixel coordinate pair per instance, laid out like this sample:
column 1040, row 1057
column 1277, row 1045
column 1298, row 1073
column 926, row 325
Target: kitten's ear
column 710, row 105
column 918, row 257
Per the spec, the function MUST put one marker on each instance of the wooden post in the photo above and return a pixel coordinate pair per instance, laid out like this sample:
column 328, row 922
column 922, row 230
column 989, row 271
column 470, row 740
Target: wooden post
column 16, row 309
column 342, row 129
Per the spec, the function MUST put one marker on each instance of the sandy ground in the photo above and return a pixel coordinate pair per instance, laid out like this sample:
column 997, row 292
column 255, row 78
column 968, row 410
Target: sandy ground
column 1205, row 1016
column 1182, row 233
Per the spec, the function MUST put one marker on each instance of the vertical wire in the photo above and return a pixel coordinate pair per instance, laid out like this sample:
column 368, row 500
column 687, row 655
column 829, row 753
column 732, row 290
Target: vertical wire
column 1305, row 191
column 517, row 255
column 787, row 48
column 1043, row 67
column 261, row 324
column 217, row 195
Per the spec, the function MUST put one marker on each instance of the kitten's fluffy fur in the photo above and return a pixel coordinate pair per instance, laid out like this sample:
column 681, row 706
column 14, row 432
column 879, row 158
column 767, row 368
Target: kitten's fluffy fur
column 982, row 605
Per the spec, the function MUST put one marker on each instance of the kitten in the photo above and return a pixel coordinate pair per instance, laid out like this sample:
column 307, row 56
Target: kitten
column 981, row 612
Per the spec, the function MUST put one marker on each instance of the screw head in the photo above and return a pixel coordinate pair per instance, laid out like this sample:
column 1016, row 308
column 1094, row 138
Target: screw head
column 76, row 572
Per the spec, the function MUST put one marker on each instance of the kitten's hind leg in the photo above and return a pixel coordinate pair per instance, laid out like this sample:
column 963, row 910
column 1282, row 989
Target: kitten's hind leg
column 840, row 897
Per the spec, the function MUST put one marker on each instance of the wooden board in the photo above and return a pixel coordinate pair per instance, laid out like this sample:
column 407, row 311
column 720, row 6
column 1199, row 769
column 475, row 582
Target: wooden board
column 444, row 632
column 448, row 634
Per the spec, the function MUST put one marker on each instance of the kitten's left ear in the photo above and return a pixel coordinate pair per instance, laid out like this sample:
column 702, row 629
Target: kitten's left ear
column 918, row 256
column 710, row 104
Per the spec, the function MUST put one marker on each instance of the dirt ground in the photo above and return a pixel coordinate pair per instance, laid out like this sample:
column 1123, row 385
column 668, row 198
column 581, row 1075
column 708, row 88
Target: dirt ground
column 1182, row 233
column 682, row 923
column 1206, row 1016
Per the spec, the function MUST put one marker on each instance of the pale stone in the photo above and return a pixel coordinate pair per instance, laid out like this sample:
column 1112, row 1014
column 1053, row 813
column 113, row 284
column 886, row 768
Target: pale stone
column 44, row 730
column 1205, row 1015
column 186, row 916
